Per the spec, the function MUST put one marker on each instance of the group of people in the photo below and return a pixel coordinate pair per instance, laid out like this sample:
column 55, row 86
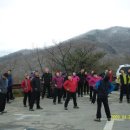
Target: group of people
column 64, row 87
column 67, row 86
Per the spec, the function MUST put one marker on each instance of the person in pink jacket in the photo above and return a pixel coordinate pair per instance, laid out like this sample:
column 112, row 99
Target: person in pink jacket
column 58, row 81
column 75, row 78
column 92, row 83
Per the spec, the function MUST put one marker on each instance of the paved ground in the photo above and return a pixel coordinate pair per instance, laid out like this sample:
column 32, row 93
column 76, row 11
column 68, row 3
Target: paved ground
column 56, row 118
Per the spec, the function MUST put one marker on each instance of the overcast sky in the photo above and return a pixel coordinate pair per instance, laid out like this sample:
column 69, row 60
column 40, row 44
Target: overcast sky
column 36, row 23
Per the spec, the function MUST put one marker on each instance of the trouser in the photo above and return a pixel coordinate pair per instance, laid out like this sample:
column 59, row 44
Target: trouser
column 47, row 87
column 63, row 93
column 124, row 89
column 80, row 89
column 69, row 95
column 91, row 92
column 94, row 96
column 106, row 107
column 57, row 93
column 2, row 102
column 9, row 94
column 129, row 90
column 35, row 98
column 27, row 96
column 87, row 87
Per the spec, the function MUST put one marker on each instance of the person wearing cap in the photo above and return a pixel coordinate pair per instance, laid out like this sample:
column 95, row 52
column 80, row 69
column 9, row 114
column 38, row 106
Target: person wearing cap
column 3, row 92
column 103, row 88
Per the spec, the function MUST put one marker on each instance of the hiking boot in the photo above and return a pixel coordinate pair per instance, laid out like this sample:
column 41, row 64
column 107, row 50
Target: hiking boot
column 120, row 101
column 8, row 102
column 31, row 109
column 40, row 108
column 4, row 111
column 1, row 113
column 128, row 101
column 66, row 108
column 97, row 119
column 60, row 103
column 109, row 119
column 54, row 103
column 76, row 107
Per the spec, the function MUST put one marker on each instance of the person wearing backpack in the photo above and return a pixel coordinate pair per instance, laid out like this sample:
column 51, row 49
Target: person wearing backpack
column 103, row 88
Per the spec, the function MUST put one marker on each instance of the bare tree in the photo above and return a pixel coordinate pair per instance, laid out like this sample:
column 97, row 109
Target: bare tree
column 72, row 58
column 59, row 54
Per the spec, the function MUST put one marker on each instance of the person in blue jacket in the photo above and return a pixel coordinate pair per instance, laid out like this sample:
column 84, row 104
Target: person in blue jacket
column 10, row 84
column 103, row 88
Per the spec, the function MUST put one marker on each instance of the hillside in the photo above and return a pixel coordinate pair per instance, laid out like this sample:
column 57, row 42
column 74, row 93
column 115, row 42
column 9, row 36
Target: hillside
column 115, row 40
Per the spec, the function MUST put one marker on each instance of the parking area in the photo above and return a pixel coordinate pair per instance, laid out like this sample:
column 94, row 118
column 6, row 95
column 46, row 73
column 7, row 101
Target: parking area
column 54, row 117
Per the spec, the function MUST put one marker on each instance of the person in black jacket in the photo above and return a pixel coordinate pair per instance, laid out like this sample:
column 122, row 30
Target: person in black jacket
column 36, row 90
column 47, row 80
column 103, row 88
column 81, row 83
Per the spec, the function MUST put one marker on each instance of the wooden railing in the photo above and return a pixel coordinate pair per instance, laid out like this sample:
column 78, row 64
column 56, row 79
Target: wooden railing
column 16, row 86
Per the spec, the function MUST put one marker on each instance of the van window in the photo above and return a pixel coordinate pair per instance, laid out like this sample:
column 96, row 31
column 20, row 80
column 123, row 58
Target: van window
column 125, row 69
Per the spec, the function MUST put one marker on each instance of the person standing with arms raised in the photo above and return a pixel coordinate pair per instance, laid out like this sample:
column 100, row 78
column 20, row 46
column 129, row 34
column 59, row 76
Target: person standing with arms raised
column 103, row 88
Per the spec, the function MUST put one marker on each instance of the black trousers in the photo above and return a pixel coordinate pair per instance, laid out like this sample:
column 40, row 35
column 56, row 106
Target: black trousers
column 35, row 98
column 80, row 89
column 87, row 87
column 63, row 93
column 125, row 89
column 69, row 95
column 2, row 102
column 9, row 94
column 46, row 87
column 91, row 92
column 106, row 107
column 27, row 96
column 57, row 93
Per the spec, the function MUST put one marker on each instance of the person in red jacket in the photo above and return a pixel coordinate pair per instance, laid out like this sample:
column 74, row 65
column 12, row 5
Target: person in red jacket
column 26, row 86
column 70, row 86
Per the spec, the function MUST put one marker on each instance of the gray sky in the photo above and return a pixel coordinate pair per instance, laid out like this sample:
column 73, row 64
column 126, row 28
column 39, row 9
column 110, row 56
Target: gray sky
column 36, row 23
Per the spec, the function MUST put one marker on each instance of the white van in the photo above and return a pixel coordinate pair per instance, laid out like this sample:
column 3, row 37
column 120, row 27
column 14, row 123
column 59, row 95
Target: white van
column 122, row 67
